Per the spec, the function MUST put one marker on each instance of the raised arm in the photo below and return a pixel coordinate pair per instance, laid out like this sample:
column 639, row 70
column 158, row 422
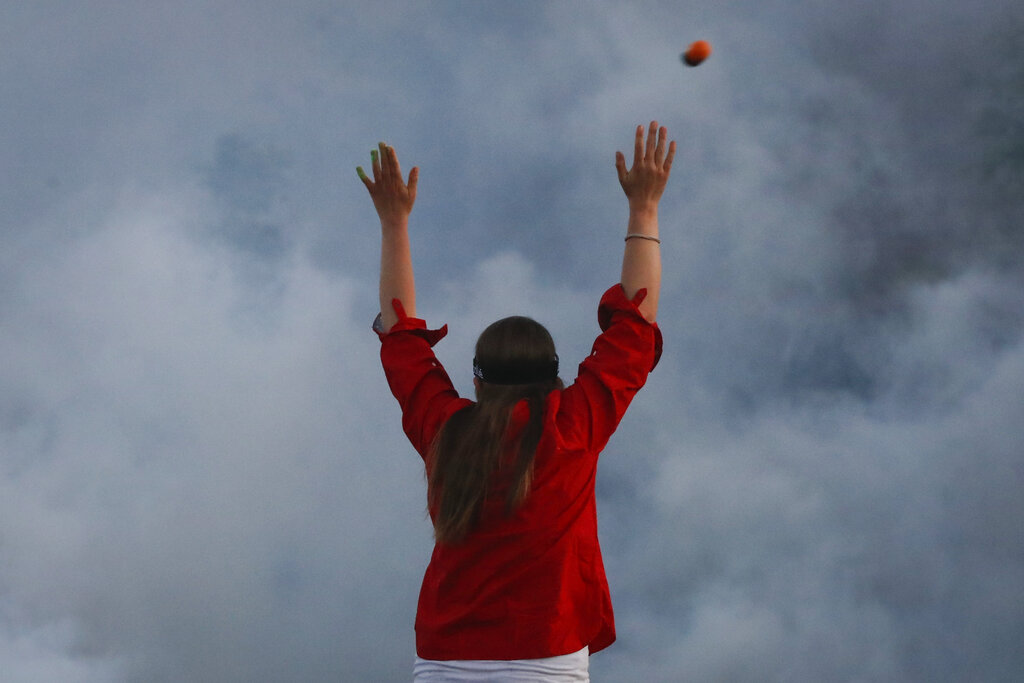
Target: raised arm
column 393, row 198
column 643, row 185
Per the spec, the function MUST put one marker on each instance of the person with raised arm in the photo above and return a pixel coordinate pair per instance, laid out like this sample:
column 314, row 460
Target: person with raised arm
column 516, row 588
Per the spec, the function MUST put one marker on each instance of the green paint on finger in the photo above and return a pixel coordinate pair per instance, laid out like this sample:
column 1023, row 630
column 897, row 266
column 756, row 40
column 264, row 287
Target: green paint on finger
column 373, row 155
column 361, row 172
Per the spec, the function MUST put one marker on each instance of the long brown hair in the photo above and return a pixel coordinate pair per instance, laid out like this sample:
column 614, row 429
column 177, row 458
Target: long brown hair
column 470, row 446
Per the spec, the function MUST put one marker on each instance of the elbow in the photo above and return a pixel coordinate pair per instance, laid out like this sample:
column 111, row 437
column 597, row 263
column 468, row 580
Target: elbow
column 648, row 308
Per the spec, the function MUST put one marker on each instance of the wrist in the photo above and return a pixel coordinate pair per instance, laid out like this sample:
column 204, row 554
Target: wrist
column 643, row 209
column 643, row 220
column 394, row 223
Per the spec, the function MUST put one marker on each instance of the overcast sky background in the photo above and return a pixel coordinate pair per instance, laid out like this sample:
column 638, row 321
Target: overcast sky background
column 202, row 472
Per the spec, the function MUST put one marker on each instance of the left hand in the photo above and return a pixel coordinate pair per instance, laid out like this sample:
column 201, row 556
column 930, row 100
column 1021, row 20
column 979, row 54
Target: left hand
column 392, row 197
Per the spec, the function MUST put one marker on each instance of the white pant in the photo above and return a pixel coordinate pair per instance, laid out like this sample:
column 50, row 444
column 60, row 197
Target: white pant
column 571, row 668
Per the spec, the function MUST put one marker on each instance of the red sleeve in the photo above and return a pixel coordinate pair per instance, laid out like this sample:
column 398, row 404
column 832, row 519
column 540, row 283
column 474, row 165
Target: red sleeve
column 626, row 351
column 417, row 379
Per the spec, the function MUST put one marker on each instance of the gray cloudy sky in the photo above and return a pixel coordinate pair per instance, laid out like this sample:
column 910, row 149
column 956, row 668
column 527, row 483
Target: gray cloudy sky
column 202, row 473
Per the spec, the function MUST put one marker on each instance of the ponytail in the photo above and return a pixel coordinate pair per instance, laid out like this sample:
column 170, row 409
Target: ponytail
column 467, row 457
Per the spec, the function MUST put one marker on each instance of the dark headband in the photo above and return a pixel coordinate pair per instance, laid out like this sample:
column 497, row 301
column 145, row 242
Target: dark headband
column 517, row 372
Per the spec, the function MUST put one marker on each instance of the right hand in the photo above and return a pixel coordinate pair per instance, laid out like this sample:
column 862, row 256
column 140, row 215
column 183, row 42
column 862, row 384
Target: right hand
column 392, row 197
column 646, row 180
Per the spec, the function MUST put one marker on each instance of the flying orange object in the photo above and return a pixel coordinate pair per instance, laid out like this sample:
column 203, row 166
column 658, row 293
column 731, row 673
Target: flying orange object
column 697, row 53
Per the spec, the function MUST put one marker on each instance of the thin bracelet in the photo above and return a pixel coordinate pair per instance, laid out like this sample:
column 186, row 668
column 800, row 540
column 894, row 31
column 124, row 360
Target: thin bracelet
column 643, row 237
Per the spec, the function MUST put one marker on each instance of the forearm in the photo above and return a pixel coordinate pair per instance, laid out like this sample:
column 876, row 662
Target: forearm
column 641, row 260
column 396, row 274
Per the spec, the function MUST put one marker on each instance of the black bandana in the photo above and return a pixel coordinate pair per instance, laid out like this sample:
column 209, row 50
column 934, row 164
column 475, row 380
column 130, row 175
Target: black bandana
column 517, row 372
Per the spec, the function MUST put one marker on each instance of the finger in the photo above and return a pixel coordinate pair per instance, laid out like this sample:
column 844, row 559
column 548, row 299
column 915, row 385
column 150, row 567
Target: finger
column 362, row 176
column 620, row 167
column 651, row 138
column 386, row 170
column 393, row 160
column 414, row 178
column 375, row 165
column 659, row 151
column 638, row 146
column 670, row 156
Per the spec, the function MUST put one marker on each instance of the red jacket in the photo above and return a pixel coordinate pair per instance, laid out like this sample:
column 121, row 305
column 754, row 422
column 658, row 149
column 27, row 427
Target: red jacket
column 531, row 584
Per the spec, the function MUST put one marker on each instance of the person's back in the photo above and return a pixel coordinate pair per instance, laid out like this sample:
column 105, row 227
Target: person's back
column 516, row 584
